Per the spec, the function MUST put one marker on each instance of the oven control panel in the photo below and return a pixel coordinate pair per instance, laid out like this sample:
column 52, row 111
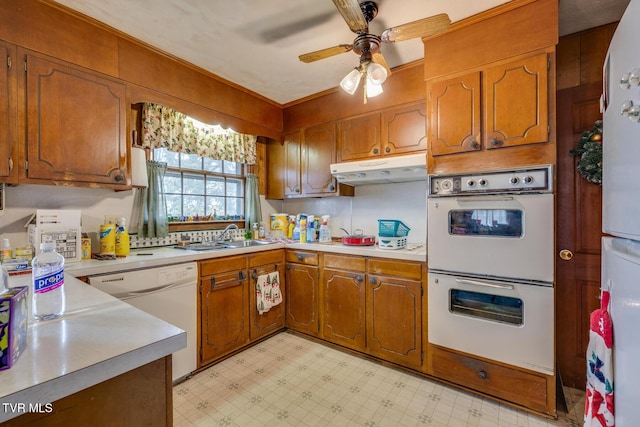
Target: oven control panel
column 527, row 180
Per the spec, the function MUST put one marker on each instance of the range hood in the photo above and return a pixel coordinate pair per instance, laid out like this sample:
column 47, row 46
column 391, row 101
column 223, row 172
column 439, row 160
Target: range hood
column 412, row 167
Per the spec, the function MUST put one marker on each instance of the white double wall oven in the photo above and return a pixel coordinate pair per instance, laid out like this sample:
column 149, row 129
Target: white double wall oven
column 491, row 265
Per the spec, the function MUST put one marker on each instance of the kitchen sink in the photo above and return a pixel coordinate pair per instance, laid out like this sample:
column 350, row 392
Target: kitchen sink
column 210, row 246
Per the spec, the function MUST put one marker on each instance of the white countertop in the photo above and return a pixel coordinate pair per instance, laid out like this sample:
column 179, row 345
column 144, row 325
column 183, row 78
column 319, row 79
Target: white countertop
column 153, row 257
column 98, row 338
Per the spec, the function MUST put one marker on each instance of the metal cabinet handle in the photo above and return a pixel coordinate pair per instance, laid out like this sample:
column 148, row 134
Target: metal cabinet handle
column 372, row 280
column 254, row 274
column 119, row 178
column 241, row 275
column 483, row 375
column 300, row 257
column 566, row 254
column 387, row 150
column 474, row 145
column 331, row 187
column 495, row 142
column 288, row 267
column 359, row 278
column 375, row 151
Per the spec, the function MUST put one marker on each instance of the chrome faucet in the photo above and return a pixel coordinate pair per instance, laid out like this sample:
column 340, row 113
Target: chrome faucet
column 220, row 238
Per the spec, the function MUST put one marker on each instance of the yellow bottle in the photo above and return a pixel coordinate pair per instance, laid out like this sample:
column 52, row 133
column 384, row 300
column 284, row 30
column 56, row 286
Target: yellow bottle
column 122, row 239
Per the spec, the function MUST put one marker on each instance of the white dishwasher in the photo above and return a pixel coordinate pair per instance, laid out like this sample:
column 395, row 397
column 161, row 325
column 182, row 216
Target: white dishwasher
column 168, row 293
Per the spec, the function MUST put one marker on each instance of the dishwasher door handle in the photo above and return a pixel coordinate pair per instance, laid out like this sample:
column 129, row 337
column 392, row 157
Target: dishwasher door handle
column 150, row 290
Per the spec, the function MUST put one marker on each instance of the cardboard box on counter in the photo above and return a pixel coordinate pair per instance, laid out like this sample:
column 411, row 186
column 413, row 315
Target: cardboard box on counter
column 13, row 325
column 60, row 226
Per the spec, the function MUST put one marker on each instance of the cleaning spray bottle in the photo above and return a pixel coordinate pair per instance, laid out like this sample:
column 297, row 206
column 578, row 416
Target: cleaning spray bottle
column 325, row 231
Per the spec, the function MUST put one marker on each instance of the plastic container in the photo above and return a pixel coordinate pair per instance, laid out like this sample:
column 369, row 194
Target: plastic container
column 392, row 228
column 47, row 296
column 122, row 239
column 107, row 239
column 392, row 242
column 324, row 235
column 5, row 250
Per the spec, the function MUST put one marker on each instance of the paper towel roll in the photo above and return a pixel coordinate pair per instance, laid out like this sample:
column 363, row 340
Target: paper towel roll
column 138, row 167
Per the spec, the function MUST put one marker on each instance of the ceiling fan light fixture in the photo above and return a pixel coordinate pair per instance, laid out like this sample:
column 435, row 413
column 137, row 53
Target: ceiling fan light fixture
column 376, row 73
column 373, row 88
column 351, row 81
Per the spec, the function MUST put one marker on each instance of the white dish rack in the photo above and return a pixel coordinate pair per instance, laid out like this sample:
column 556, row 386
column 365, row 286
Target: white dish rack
column 392, row 242
column 392, row 234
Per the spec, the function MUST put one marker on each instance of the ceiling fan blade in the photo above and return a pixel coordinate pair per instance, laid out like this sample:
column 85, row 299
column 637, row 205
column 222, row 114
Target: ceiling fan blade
column 352, row 14
column 420, row 28
column 325, row 53
column 379, row 59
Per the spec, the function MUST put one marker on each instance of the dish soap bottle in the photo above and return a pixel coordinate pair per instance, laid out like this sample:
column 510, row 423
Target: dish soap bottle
column 122, row 239
column 325, row 231
column 47, row 273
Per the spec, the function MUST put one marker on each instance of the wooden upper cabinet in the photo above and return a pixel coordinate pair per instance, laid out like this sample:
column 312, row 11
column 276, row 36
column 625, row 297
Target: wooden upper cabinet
column 292, row 152
column 390, row 132
column 501, row 106
column 7, row 113
column 359, row 137
column 318, row 152
column 76, row 125
column 404, row 129
column 517, row 105
column 454, row 115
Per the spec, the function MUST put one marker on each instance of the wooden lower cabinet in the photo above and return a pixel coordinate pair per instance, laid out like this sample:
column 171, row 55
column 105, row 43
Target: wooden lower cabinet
column 224, row 307
column 343, row 295
column 301, row 301
column 272, row 320
column 529, row 389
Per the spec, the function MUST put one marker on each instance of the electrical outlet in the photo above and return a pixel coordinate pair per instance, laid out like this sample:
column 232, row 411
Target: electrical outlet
column 111, row 219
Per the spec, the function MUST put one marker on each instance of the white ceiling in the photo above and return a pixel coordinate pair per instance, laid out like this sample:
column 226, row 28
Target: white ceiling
column 256, row 43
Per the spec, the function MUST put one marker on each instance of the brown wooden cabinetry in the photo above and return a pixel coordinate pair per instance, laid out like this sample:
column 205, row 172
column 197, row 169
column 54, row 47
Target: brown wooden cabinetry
column 8, row 138
column 509, row 99
column 395, row 131
column 394, row 311
column 76, row 125
column 526, row 388
column 302, row 279
column 272, row 320
column 224, row 310
column 292, row 150
column 318, row 152
column 343, row 295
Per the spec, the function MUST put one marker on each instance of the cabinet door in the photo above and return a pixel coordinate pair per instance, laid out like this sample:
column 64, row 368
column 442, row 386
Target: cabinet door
column 394, row 320
column 76, row 125
column 404, row 129
column 7, row 112
column 318, row 152
column 292, row 152
column 224, row 318
column 302, row 298
column 272, row 320
column 359, row 137
column 344, row 308
column 276, row 170
column 454, row 115
column 517, row 105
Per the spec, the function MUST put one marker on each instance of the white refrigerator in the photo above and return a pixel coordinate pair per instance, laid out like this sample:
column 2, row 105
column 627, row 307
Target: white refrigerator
column 621, row 210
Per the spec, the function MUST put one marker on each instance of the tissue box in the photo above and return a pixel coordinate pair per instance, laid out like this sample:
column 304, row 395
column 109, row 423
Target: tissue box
column 13, row 325
column 60, row 226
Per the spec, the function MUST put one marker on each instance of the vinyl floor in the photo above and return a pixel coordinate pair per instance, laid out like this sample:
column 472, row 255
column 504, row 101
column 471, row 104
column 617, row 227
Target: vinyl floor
column 288, row 380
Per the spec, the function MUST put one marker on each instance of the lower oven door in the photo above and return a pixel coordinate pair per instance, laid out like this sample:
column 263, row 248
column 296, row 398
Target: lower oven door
column 507, row 235
column 504, row 321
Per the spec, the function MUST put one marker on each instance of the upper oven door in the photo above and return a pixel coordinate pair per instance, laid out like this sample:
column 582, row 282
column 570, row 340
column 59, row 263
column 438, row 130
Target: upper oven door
column 508, row 236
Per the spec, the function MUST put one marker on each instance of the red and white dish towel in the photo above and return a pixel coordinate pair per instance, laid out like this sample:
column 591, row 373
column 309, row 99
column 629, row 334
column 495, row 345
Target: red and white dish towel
column 598, row 411
column 268, row 291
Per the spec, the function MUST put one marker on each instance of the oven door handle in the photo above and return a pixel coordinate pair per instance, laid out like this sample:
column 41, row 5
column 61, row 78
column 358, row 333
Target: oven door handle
column 487, row 284
column 486, row 199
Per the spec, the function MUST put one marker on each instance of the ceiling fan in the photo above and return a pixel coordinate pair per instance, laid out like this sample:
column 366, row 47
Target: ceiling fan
column 373, row 67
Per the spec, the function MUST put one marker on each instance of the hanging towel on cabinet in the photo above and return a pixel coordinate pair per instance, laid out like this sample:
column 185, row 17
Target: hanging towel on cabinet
column 268, row 291
column 598, row 411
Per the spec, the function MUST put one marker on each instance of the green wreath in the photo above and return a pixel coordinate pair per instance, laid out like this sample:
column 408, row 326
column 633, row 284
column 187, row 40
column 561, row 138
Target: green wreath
column 590, row 151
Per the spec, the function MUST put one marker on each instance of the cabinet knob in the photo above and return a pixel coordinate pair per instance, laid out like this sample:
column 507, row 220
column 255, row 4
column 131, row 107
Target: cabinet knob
column 254, row 274
column 372, row 280
column 241, row 275
column 495, row 142
column 331, row 187
column 119, row 178
column 375, row 151
column 483, row 375
column 474, row 145
column 359, row 278
column 288, row 267
column 566, row 254
column 387, row 150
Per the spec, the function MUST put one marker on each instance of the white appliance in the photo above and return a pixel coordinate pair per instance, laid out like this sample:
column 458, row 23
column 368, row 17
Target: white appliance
column 491, row 265
column 621, row 210
column 168, row 293
column 411, row 167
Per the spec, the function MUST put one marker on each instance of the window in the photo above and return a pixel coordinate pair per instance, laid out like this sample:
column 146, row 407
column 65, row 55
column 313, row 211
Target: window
column 199, row 186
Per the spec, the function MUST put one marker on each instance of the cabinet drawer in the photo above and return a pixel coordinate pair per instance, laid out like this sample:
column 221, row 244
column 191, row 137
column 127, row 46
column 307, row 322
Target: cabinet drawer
column 343, row 262
column 267, row 257
column 524, row 388
column 396, row 268
column 301, row 257
column 220, row 265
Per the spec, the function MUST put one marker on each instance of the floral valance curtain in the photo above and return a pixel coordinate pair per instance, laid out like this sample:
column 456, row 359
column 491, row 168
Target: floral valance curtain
column 175, row 131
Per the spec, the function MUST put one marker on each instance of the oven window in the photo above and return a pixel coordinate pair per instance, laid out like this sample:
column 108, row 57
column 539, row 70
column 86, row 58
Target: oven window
column 486, row 306
column 483, row 222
